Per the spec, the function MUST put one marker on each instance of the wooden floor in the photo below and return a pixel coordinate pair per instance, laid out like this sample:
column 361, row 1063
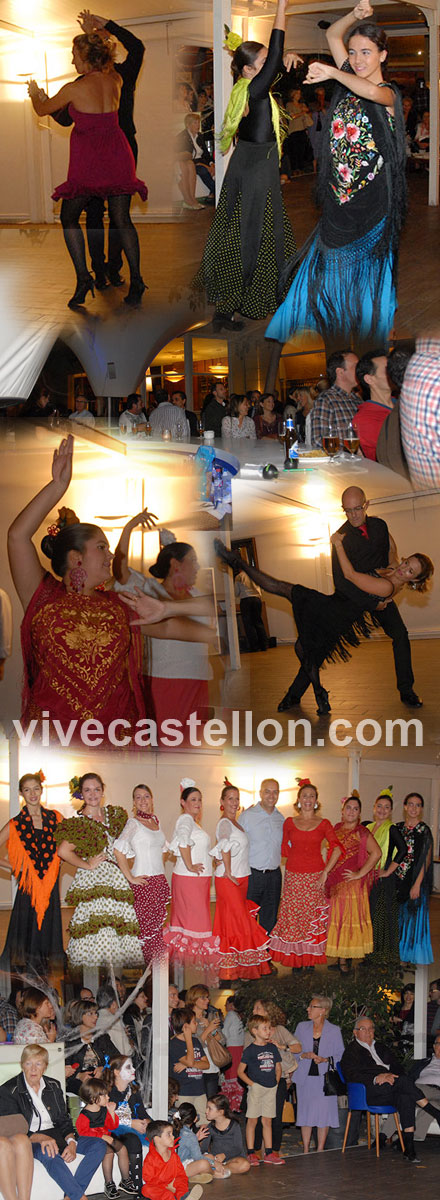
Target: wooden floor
column 37, row 278
column 356, row 1175
column 362, row 688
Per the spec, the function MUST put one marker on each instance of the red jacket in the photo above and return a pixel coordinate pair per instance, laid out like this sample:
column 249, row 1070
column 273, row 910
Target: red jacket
column 86, row 1130
column 157, row 1174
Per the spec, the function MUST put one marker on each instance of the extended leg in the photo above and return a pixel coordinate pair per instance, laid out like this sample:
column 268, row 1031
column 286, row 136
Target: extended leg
column 395, row 628
column 73, row 236
column 95, row 237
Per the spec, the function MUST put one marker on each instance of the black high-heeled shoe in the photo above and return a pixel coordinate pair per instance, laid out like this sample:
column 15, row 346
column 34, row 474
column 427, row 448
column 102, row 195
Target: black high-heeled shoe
column 135, row 292
column 322, row 700
column 85, row 284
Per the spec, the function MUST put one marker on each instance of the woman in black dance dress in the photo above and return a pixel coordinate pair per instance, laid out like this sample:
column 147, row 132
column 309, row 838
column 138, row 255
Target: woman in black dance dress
column 250, row 239
column 328, row 625
column 35, row 935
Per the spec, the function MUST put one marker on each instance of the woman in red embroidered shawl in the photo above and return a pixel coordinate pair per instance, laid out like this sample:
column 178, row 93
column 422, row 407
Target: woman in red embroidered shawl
column 350, row 932
column 300, row 934
column 82, row 658
column 34, row 936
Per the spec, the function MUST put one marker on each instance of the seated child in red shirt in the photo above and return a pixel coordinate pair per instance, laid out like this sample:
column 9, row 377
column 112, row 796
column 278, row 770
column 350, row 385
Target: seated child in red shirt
column 162, row 1171
column 98, row 1119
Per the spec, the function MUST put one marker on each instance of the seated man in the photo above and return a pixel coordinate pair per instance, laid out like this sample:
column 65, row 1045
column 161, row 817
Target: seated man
column 191, row 142
column 373, row 1064
column 377, row 402
column 54, row 1140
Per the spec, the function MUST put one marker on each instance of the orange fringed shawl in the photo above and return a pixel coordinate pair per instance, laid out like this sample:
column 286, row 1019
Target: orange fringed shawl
column 35, row 865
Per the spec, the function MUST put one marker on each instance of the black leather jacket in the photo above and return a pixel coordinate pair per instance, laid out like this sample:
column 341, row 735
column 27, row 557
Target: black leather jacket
column 15, row 1098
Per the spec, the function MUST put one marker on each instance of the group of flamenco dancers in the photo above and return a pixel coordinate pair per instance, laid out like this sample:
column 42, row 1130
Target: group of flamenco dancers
column 368, row 891
column 345, row 274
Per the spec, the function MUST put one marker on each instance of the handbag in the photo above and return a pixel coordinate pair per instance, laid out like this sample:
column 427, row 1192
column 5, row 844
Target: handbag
column 333, row 1084
column 219, row 1054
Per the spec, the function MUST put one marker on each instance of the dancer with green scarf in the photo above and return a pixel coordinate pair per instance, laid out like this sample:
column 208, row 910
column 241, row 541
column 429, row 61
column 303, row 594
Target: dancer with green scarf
column 251, row 239
column 383, row 895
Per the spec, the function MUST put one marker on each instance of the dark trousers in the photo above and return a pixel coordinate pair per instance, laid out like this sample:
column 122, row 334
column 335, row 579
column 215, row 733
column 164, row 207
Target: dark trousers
column 205, row 175
column 395, row 628
column 277, row 1121
column 264, row 887
column 256, row 636
column 211, row 1084
column 403, row 1094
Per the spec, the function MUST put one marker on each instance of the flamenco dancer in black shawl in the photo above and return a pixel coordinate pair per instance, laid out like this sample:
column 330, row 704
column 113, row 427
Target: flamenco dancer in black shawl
column 34, row 936
column 346, row 283
column 328, row 625
column 250, row 240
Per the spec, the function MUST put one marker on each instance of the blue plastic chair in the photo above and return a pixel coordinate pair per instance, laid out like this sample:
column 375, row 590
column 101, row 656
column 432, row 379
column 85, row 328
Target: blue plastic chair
column 357, row 1102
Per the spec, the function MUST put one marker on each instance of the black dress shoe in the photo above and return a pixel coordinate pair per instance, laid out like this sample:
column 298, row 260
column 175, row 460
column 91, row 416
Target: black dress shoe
column 114, row 277
column 288, row 701
column 411, row 699
column 322, row 700
column 101, row 281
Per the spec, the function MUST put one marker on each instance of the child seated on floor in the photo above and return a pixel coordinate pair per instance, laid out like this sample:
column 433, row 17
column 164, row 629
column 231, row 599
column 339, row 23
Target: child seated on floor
column 98, row 1119
column 224, row 1137
column 187, row 1144
column 163, row 1171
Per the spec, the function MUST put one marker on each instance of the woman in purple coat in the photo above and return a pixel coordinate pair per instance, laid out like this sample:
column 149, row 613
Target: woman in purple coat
column 320, row 1041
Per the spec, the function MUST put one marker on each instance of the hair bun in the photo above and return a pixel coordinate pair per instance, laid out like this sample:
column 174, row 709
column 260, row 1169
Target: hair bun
column 48, row 545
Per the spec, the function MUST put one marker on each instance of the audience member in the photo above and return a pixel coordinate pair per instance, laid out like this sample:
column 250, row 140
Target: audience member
column 372, row 377
column 81, row 415
column 179, row 399
column 420, row 412
column 215, row 409
column 337, row 406
column 237, row 423
column 191, row 143
column 168, row 415
column 131, row 420
column 260, row 1070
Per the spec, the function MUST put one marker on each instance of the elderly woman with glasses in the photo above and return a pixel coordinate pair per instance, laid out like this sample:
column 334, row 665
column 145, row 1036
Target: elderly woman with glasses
column 320, row 1041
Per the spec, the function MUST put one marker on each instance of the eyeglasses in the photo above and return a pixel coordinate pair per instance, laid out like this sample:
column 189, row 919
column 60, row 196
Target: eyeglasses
column 353, row 512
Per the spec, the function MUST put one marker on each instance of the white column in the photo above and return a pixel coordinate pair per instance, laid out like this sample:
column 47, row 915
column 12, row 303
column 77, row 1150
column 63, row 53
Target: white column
column 420, row 1003
column 160, row 1072
column 222, row 80
column 188, row 368
column 354, row 771
column 434, row 64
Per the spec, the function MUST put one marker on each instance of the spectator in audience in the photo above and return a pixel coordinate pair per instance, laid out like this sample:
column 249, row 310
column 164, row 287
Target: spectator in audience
column 54, row 1143
column 35, row 1007
column 208, row 1026
column 187, row 1144
column 215, row 409
column 16, row 1164
column 362, row 1062
column 168, row 416
column 190, row 143
column 81, row 415
column 131, row 421
column 87, row 1053
column 188, row 1060
column 372, row 377
column 163, row 1171
column 410, row 116
column 320, row 1041
column 237, row 423
column 288, row 1047
column 233, row 1033
column 108, row 1004
column 40, row 405
column 432, row 1012
column 260, row 1070
column 249, row 598
column 98, row 1119
column 225, row 1139
column 8, row 1018
column 206, row 110
column 179, row 399
column 420, row 412
column 265, row 417
column 389, row 449
column 338, row 405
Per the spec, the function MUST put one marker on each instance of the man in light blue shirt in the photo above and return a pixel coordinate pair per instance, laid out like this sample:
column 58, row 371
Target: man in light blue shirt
column 264, row 827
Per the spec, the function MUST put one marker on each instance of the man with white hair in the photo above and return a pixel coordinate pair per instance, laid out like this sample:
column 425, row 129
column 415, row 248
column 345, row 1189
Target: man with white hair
column 372, row 1063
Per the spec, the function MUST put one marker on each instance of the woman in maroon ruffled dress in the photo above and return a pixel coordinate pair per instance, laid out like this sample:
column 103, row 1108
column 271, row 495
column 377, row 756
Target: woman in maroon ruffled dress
column 101, row 160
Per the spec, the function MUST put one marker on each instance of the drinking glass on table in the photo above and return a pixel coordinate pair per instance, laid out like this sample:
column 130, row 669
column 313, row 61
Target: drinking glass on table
column 331, row 441
column 351, row 439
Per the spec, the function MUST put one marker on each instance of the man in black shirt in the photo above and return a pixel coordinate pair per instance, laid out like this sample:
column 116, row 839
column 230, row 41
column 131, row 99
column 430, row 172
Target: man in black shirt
column 129, row 71
column 369, row 545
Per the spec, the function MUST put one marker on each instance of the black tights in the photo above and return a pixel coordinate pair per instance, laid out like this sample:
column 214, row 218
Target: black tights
column 119, row 210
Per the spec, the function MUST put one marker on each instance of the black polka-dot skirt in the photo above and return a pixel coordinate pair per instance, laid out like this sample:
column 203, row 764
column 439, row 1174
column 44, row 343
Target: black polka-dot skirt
column 250, row 238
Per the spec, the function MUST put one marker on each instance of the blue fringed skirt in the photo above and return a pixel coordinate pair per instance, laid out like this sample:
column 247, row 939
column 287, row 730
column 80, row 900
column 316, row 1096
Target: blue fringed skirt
column 415, row 936
column 340, row 289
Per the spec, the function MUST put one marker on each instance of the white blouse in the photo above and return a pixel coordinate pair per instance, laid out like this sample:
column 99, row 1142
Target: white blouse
column 147, row 846
column 229, row 837
column 188, row 833
column 232, row 428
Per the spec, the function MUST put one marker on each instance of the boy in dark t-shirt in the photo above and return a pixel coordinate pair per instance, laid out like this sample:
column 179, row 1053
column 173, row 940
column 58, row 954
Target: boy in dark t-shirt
column 260, row 1070
column 187, row 1060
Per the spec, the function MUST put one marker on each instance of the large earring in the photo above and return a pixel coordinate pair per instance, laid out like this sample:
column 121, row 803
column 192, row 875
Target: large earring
column 315, row 805
column 298, row 806
column 78, row 577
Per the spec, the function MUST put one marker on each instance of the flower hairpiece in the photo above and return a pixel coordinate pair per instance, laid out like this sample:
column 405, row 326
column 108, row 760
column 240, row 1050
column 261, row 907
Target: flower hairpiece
column 66, row 516
column 303, row 782
column 75, row 788
column 232, row 40
column 186, row 783
column 41, row 776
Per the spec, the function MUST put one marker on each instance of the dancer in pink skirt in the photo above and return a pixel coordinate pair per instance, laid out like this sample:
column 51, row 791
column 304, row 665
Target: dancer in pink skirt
column 189, row 934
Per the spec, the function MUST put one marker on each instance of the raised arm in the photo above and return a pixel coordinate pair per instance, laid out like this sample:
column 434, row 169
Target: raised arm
column 319, row 72
column 366, row 583
column 337, row 31
column 26, row 569
column 120, row 561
